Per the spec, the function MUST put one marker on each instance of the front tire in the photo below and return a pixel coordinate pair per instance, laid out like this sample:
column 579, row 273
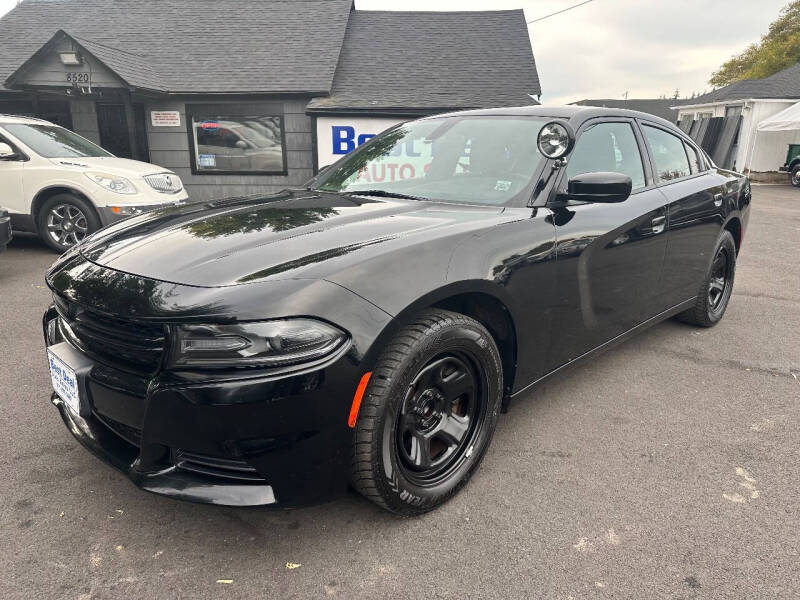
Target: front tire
column 65, row 220
column 428, row 414
column 795, row 175
column 717, row 287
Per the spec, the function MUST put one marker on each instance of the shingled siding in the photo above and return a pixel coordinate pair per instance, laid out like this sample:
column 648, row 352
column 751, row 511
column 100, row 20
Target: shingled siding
column 169, row 148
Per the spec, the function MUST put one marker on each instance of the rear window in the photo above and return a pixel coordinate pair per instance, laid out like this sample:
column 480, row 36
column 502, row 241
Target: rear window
column 668, row 152
column 694, row 160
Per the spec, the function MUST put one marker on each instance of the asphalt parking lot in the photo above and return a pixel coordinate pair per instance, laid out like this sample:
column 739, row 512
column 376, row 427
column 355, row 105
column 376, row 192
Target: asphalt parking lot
column 668, row 467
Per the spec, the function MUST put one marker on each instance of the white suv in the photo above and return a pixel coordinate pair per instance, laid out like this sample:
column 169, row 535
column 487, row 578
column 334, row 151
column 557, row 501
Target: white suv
column 64, row 187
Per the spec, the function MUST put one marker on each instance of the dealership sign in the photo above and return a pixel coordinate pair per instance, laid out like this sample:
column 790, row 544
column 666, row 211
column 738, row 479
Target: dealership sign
column 165, row 118
column 337, row 136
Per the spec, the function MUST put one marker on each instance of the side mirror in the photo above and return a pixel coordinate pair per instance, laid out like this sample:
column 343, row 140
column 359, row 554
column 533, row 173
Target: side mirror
column 241, row 144
column 7, row 152
column 600, row 187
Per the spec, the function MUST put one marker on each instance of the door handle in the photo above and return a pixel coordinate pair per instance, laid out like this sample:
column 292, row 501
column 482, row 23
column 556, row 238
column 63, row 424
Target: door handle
column 658, row 224
column 717, row 200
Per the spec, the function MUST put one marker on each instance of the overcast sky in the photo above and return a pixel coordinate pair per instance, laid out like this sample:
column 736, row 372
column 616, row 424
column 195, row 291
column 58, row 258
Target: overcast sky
column 607, row 47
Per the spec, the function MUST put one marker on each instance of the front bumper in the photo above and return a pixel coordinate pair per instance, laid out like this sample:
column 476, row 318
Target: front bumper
column 279, row 440
column 169, row 481
column 108, row 216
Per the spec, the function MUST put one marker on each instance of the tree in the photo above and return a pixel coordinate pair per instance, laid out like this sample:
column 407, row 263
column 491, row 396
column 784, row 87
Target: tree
column 778, row 48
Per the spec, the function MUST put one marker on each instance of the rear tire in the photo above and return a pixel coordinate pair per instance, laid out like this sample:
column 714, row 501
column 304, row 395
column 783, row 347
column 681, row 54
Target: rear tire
column 428, row 414
column 717, row 287
column 64, row 220
column 795, row 175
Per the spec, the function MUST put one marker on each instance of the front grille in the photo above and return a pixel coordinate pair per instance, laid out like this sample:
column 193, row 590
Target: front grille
column 212, row 466
column 166, row 183
column 133, row 347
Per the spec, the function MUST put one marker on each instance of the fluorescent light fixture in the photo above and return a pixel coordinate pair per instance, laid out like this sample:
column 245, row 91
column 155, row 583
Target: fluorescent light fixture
column 70, row 59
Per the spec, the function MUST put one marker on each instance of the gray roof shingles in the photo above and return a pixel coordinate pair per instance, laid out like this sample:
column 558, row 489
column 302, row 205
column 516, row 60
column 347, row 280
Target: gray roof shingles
column 420, row 61
column 660, row 107
column 134, row 69
column 783, row 84
column 192, row 46
column 433, row 60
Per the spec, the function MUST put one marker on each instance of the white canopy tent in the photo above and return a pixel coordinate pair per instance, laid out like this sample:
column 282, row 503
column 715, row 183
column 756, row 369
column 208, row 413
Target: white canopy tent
column 786, row 120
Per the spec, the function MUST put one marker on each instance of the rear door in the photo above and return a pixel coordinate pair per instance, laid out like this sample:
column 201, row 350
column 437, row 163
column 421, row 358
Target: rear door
column 609, row 255
column 694, row 197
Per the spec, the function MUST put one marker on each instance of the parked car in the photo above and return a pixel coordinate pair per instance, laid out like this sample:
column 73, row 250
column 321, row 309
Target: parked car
column 369, row 328
column 5, row 229
column 792, row 164
column 64, row 187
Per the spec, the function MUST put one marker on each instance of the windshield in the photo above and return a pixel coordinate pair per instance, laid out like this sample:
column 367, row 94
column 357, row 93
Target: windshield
column 478, row 160
column 50, row 141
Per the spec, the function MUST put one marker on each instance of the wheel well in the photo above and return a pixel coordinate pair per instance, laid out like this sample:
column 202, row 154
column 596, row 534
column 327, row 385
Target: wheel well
column 44, row 195
column 735, row 227
column 794, row 163
column 492, row 314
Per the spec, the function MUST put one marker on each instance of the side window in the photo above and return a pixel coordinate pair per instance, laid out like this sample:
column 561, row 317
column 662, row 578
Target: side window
column 608, row 147
column 668, row 153
column 694, row 159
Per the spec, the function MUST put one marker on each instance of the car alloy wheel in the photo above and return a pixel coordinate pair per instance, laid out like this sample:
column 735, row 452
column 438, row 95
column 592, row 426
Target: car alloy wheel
column 438, row 418
column 67, row 224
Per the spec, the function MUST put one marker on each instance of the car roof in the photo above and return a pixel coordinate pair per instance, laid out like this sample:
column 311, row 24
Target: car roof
column 573, row 113
column 8, row 119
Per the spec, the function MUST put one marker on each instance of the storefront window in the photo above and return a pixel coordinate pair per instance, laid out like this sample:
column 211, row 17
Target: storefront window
column 237, row 144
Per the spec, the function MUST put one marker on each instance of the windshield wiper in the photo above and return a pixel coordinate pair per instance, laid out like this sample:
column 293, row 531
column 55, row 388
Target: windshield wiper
column 384, row 194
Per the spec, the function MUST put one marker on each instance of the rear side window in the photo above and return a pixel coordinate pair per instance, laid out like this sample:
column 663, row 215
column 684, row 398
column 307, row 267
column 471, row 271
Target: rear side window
column 608, row 147
column 668, row 153
column 694, row 159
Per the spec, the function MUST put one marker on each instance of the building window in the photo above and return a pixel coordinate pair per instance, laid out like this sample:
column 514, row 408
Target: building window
column 224, row 143
column 704, row 115
column 733, row 111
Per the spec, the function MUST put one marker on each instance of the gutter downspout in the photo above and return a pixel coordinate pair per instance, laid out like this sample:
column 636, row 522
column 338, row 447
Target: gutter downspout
column 748, row 166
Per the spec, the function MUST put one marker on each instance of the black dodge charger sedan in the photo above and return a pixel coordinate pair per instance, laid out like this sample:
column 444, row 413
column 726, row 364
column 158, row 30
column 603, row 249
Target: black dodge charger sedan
column 371, row 327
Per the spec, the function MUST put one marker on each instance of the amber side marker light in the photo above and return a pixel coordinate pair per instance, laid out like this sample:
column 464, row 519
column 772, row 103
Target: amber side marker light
column 362, row 386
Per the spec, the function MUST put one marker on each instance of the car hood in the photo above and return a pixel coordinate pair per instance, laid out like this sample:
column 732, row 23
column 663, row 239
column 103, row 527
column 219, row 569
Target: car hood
column 110, row 164
column 285, row 236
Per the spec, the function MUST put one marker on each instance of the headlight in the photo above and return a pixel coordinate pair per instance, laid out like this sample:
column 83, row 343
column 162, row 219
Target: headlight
column 265, row 344
column 116, row 184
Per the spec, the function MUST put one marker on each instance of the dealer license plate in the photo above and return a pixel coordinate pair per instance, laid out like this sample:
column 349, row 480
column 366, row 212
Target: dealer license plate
column 65, row 382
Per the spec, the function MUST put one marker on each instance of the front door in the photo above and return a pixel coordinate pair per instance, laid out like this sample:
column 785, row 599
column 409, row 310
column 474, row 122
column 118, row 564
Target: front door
column 609, row 255
column 12, row 194
column 114, row 134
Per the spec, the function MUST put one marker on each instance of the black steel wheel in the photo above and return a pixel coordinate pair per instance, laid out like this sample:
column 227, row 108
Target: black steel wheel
column 428, row 414
column 65, row 220
column 438, row 418
column 717, row 287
